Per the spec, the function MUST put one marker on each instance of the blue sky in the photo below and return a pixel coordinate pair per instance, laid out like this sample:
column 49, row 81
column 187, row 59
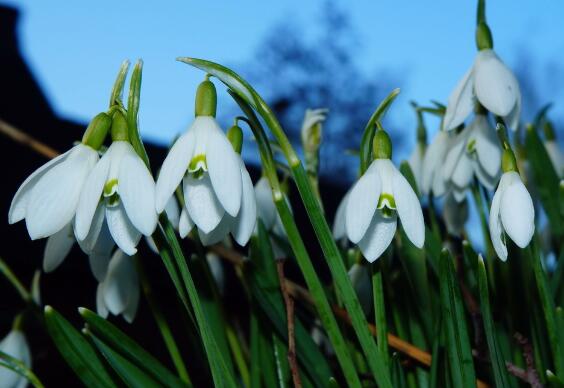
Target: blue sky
column 75, row 48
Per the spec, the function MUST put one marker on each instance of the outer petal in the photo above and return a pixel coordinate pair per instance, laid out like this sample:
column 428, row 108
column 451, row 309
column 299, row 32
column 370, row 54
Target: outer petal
column 219, row 233
column 378, row 236
column 133, row 302
column 517, row 211
column 101, row 308
column 223, row 168
column 495, row 85
column 120, row 282
column 455, row 152
column 97, row 221
column 173, row 168
column 15, row 345
column 416, row 163
column 409, row 210
column 339, row 224
column 90, row 196
column 488, row 181
column 556, row 156
column 136, row 189
column 463, row 172
column 173, row 212
column 54, row 198
column 460, row 103
column 216, row 270
column 125, row 235
column 496, row 231
column 99, row 256
column 433, row 161
column 512, row 119
column 246, row 219
column 201, row 202
column 19, row 203
column 57, row 248
column 488, row 148
column 265, row 204
column 186, row 224
column 362, row 203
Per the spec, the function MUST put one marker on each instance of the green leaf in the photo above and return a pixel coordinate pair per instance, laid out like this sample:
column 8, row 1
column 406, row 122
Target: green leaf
column 133, row 112
column 77, row 351
column 398, row 374
column 128, row 349
column 407, row 172
column 496, row 357
column 546, row 180
column 17, row 366
column 458, row 344
column 117, row 90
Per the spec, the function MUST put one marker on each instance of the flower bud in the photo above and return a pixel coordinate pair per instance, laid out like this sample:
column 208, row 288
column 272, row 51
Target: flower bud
column 119, row 127
column 484, row 39
column 382, row 145
column 508, row 161
column 235, row 136
column 97, row 130
column 206, row 99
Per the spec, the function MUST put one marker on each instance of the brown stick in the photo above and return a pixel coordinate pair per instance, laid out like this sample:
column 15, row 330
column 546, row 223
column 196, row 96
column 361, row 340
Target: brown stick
column 290, row 320
column 23, row 138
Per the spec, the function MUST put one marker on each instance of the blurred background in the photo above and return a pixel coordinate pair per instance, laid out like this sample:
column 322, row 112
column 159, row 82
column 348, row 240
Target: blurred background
column 59, row 59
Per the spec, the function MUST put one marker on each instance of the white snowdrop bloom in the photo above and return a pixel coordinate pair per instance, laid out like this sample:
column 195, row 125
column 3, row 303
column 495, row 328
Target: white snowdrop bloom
column 455, row 214
column 339, row 224
column 474, row 151
column 375, row 202
column 15, row 345
column 216, row 269
column 415, row 162
column 556, row 156
column 360, row 278
column 121, row 190
column 119, row 292
column 492, row 84
column 48, row 198
column 512, row 212
column 432, row 177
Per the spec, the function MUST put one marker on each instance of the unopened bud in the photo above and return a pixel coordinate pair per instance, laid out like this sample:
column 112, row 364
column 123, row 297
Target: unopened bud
column 97, row 131
column 235, row 136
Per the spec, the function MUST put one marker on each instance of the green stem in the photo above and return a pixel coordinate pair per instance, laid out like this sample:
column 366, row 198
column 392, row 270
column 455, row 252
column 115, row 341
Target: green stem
column 238, row 355
column 380, row 312
column 14, row 281
column 163, row 326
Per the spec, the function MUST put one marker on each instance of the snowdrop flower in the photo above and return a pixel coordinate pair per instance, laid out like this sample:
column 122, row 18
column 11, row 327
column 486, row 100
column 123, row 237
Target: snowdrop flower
column 375, row 202
column 455, row 214
column 212, row 174
column 119, row 291
column 48, row 198
column 339, row 224
column 474, row 151
column 432, row 176
column 16, row 346
column 121, row 190
column 489, row 82
column 512, row 212
column 241, row 225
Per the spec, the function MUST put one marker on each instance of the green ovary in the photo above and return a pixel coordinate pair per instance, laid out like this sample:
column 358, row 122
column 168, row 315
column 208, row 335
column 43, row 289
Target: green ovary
column 387, row 204
column 198, row 166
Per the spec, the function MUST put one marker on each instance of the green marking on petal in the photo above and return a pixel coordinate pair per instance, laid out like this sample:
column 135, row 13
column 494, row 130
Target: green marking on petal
column 110, row 187
column 386, row 201
column 112, row 200
column 198, row 165
column 471, row 146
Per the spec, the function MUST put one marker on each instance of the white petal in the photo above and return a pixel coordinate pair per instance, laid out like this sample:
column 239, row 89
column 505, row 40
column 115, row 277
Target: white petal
column 339, row 224
column 459, row 194
column 456, row 150
column 488, row 181
column 99, row 256
column 517, row 211
column 90, row 196
column 216, row 270
column 186, row 224
column 133, row 303
column 97, row 221
column 57, row 248
column 433, row 162
column 487, row 146
column 136, row 189
column 463, row 172
column 174, row 167
column 54, row 198
column 416, row 163
column 19, row 203
column 120, row 283
column 219, row 233
column 173, row 212
column 494, row 84
column 201, row 202
column 265, row 203
column 460, row 103
column 362, row 203
column 512, row 119
column 101, row 308
column 496, row 231
column 556, row 156
column 455, row 215
column 15, row 345
column 246, row 219
column 125, row 235
column 378, row 236
column 223, row 168
column 409, row 210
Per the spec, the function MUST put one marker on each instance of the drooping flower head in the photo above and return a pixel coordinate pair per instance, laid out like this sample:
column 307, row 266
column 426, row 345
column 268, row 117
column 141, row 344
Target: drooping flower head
column 16, row 346
column 48, row 198
column 377, row 199
column 512, row 213
column 120, row 190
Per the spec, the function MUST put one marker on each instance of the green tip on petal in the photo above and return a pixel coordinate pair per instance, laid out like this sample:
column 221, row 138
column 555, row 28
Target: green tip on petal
column 235, row 136
column 508, row 161
column 97, row 131
column 484, row 39
column 206, row 99
column 119, row 130
column 382, row 144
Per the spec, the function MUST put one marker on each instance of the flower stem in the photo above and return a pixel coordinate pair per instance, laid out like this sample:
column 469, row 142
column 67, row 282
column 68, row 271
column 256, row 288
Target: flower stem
column 380, row 311
column 14, row 281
